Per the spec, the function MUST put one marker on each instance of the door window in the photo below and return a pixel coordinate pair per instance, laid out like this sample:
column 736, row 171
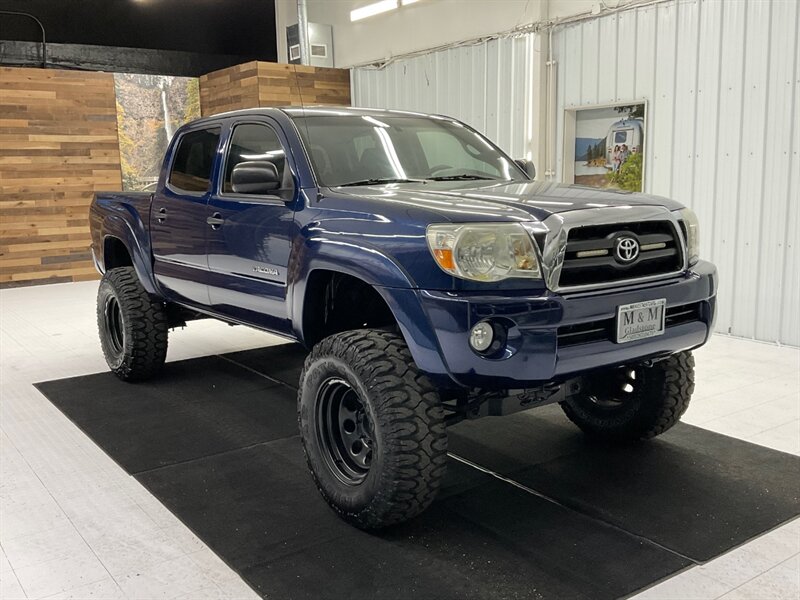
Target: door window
column 254, row 142
column 194, row 159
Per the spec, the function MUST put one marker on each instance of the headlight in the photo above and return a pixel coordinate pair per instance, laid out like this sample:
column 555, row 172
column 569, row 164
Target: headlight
column 692, row 233
column 484, row 251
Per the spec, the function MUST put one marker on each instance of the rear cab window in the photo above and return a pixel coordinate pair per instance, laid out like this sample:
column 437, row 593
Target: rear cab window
column 194, row 160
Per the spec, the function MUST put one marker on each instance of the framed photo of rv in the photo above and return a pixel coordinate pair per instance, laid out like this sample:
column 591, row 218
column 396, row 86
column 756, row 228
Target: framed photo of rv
column 604, row 145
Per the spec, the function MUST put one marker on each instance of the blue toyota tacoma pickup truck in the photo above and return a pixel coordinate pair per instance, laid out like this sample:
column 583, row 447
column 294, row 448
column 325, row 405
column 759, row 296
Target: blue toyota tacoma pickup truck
column 430, row 277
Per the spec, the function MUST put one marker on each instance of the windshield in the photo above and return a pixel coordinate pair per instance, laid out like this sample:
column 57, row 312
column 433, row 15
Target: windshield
column 362, row 150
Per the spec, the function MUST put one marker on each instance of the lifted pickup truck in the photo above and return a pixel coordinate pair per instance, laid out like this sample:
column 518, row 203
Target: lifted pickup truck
column 432, row 279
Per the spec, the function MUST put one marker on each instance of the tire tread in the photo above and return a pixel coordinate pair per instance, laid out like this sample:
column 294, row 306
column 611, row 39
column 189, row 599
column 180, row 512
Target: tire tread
column 145, row 322
column 662, row 400
column 409, row 412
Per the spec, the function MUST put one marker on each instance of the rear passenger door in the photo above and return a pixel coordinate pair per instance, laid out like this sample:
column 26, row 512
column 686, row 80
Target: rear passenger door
column 178, row 226
column 250, row 242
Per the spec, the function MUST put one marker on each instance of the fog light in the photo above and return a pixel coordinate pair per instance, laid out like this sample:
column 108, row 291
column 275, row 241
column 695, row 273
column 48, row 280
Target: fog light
column 481, row 336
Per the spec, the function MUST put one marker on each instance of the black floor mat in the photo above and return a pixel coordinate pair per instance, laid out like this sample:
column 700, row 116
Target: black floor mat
column 200, row 407
column 216, row 442
column 693, row 491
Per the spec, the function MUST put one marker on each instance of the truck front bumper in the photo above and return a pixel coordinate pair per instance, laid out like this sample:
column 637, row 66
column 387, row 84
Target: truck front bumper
column 552, row 336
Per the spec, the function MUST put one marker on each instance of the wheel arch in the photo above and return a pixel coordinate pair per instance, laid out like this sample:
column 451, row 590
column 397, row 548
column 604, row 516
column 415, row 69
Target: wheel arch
column 400, row 309
column 115, row 253
column 122, row 247
column 335, row 301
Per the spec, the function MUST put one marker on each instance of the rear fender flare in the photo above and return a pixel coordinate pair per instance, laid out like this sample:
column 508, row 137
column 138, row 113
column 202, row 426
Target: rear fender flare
column 115, row 226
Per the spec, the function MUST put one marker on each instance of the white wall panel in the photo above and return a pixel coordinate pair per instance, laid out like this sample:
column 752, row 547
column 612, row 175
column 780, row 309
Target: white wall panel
column 608, row 50
column 484, row 85
column 724, row 216
column 779, row 253
column 723, row 135
column 753, row 153
column 662, row 99
column 721, row 81
column 626, row 57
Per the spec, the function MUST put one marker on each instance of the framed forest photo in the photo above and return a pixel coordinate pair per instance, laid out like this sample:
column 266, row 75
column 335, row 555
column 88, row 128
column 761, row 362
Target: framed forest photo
column 150, row 108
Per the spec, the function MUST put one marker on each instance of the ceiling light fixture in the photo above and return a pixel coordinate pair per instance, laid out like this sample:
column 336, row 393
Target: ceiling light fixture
column 370, row 10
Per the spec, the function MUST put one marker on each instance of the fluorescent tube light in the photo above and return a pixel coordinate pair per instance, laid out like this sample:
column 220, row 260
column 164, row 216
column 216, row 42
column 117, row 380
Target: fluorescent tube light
column 370, row 10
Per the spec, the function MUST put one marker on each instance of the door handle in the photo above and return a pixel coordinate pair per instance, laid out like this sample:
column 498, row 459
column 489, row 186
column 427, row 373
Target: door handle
column 162, row 215
column 215, row 221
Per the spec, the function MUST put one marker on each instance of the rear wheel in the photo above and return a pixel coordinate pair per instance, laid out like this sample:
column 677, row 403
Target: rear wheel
column 372, row 428
column 635, row 401
column 133, row 326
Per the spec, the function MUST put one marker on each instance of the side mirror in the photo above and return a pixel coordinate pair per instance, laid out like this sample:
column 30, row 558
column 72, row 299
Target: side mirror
column 255, row 177
column 527, row 166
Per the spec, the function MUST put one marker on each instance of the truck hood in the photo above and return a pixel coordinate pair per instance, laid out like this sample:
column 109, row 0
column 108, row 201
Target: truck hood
column 466, row 201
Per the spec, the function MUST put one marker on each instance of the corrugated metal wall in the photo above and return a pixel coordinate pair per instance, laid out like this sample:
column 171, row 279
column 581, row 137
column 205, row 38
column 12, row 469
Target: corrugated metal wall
column 722, row 81
column 485, row 85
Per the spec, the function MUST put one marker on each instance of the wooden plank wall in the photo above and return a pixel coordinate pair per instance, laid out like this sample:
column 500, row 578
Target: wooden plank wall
column 255, row 84
column 58, row 145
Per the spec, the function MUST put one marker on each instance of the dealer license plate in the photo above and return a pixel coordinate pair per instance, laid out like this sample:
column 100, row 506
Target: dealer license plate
column 640, row 320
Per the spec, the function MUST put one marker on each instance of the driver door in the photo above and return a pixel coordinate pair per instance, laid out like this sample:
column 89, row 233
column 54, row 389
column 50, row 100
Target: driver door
column 250, row 235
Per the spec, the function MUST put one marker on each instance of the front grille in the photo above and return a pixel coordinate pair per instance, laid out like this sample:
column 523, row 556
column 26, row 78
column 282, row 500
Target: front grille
column 678, row 315
column 603, row 330
column 590, row 257
column 585, row 333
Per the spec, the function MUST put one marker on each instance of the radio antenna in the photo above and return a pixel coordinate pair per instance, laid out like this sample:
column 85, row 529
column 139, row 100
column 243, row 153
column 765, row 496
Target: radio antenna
column 299, row 89
column 302, row 104
column 303, row 107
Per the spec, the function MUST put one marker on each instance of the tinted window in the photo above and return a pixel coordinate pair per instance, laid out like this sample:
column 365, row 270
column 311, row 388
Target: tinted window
column 194, row 159
column 443, row 149
column 621, row 137
column 345, row 149
column 254, row 142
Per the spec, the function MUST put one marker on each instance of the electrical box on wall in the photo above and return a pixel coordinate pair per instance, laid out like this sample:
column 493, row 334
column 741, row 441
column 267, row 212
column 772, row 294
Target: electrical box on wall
column 320, row 39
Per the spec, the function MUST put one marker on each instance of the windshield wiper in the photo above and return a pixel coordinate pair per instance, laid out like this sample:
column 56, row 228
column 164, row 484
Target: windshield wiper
column 461, row 177
column 381, row 180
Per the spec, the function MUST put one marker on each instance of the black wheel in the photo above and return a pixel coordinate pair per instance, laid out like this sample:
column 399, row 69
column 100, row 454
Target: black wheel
column 634, row 402
column 372, row 428
column 133, row 326
column 345, row 431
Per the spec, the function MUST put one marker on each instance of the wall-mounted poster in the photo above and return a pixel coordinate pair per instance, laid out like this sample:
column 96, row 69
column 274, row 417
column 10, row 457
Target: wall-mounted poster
column 609, row 147
column 150, row 108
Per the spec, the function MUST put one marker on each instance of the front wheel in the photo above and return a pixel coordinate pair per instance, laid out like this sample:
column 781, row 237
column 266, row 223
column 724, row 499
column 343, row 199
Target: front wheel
column 132, row 326
column 636, row 401
column 372, row 428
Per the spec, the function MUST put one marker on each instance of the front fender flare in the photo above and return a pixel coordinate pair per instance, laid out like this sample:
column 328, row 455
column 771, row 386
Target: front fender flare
column 361, row 261
column 378, row 270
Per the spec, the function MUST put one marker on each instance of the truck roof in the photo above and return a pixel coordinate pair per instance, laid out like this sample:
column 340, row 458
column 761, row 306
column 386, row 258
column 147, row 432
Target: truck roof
column 297, row 111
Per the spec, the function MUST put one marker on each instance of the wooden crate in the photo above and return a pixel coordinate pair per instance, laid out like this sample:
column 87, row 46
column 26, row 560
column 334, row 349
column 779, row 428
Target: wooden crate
column 256, row 84
column 58, row 145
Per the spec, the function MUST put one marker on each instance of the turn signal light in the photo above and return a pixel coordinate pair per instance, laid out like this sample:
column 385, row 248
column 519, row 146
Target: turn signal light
column 444, row 257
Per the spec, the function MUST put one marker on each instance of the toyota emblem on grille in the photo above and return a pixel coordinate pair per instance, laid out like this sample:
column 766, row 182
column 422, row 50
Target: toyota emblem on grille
column 626, row 249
